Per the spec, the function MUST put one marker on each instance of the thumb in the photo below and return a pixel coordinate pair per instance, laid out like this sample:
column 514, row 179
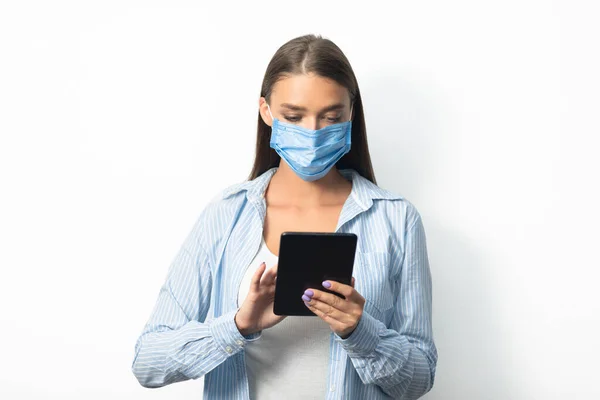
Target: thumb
column 352, row 282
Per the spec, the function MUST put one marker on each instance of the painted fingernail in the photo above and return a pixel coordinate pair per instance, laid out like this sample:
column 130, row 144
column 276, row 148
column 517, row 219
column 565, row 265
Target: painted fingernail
column 326, row 284
column 309, row 292
column 305, row 298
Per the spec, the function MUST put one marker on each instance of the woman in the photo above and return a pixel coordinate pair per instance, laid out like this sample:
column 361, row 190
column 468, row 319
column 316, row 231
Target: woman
column 312, row 172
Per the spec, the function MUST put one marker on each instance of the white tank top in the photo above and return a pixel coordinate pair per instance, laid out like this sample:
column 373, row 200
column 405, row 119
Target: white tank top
column 290, row 359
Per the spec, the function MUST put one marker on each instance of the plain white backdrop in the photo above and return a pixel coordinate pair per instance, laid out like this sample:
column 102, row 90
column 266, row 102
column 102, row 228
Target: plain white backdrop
column 120, row 120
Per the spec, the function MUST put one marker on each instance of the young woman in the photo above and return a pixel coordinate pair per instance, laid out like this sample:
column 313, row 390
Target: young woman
column 312, row 172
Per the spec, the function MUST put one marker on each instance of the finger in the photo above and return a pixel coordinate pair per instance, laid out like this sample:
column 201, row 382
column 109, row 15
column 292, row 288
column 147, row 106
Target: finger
column 255, row 281
column 344, row 290
column 330, row 300
column 327, row 313
column 269, row 276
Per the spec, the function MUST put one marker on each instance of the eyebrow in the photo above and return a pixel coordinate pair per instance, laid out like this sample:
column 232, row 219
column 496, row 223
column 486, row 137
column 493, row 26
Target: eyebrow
column 293, row 107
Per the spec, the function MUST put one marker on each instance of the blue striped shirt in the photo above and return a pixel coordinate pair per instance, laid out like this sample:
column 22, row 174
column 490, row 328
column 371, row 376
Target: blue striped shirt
column 390, row 354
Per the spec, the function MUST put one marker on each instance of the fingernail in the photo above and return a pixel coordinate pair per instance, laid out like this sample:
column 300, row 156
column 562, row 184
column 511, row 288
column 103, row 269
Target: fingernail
column 326, row 284
column 309, row 292
column 305, row 298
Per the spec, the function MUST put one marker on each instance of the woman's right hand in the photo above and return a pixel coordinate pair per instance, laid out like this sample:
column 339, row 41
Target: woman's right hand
column 256, row 312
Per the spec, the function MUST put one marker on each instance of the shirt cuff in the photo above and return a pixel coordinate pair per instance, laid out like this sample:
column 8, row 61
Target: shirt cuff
column 227, row 335
column 364, row 339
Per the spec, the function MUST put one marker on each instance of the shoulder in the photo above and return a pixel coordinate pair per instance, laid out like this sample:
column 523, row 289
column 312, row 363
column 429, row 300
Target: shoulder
column 218, row 215
column 404, row 210
column 227, row 202
column 401, row 212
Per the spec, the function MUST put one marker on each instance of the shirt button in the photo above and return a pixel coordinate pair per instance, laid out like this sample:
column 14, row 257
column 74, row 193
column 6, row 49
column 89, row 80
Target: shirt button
column 228, row 349
column 240, row 343
column 332, row 388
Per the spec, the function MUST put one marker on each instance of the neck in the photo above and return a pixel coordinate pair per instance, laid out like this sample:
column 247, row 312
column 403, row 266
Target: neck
column 286, row 186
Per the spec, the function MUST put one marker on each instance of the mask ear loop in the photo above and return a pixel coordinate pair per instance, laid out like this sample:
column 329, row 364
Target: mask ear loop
column 269, row 108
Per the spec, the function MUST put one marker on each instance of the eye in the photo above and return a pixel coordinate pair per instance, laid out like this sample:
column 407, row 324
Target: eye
column 333, row 120
column 292, row 118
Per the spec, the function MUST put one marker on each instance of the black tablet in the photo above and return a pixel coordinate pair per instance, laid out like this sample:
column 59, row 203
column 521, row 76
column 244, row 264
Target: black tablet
column 306, row 259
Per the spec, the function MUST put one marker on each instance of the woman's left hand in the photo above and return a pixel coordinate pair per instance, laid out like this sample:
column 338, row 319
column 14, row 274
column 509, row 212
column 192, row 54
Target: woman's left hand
column 342, row 315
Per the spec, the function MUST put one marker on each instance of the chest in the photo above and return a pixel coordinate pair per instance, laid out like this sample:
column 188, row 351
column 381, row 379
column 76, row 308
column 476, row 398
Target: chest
column 279, row 219
column 376, row 266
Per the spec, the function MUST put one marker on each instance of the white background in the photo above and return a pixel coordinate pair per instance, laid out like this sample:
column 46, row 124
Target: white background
column 120, row 120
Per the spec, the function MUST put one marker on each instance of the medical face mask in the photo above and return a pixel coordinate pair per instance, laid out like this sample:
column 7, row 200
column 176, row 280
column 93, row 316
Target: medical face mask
column 310, row 153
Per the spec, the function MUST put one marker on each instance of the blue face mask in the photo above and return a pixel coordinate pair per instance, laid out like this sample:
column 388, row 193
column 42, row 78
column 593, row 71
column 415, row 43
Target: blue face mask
column 310, row 153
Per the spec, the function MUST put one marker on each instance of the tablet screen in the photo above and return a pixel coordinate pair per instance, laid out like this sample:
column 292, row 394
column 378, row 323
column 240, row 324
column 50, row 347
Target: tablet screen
column 306, row 259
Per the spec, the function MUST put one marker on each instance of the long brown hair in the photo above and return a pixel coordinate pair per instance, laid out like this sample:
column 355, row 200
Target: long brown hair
column 314, row 54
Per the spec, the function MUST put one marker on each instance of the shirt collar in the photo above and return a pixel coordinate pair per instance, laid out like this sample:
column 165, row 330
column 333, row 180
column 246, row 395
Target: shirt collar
column 363, row 190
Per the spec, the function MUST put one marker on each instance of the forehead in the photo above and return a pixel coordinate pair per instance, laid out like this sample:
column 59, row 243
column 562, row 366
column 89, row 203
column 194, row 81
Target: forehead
column 309, row 90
